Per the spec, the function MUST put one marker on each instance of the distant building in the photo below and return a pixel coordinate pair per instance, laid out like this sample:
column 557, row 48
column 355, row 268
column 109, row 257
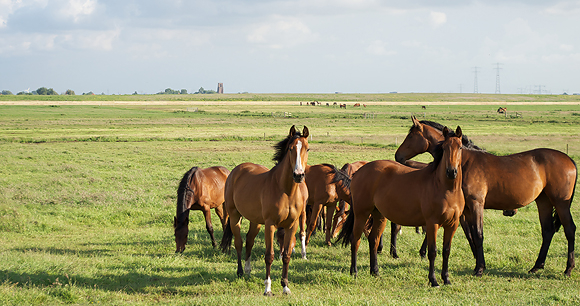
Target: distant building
column 220, row 89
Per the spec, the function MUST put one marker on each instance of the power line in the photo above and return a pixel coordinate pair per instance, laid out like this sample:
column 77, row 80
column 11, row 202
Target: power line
column 475, row 89
column 497, row 69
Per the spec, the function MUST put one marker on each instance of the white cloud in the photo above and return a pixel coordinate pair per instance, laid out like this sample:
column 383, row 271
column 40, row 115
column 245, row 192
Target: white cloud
column 378, row 47
column 438, row 18
column 79, row 8
column 281, row 32
column 567, row 48
column 564, row 8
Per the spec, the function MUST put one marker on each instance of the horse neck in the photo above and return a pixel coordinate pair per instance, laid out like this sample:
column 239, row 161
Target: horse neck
column 283, row 174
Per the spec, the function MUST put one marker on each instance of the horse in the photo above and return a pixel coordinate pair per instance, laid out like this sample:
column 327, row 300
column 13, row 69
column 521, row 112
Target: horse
column 199, row 189
column 506, row 183
column 275, row 198
column 324, row 190
column 430, row 197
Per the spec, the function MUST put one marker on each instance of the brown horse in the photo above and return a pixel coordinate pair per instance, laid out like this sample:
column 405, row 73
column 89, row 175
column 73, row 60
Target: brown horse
column 340, row 215
column 199, row 189
column 323, row 191
column 506, row 183
column 430, row 197
column 275, row 198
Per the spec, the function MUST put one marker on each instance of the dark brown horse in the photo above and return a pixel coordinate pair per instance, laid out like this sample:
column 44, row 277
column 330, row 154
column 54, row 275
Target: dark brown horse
column 199, row 189
column 323, row 191
column 430, row 197
column 275, row 198
column 506, row 183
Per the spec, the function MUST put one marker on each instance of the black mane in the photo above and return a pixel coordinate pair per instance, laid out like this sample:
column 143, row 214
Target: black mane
column 282, row 146
column 466, row 142
column 182, row 213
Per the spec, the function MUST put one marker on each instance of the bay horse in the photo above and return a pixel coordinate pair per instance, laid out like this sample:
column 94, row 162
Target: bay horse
column 340, row 216
column 429, row 197
column 275, row 198
column 324, row 190
column 506, row 183
column 199, row 189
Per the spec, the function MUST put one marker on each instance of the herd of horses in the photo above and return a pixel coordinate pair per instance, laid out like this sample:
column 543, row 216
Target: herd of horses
column 453, row 190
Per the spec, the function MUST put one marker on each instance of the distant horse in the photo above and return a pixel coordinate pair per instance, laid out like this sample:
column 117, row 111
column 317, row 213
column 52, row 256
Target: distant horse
column 276, row 198
column 199, row 189
column 430, row 197
column 502, row 110
column 343, row 106
column 356, row 105
column 507, row 183
column 324, row 190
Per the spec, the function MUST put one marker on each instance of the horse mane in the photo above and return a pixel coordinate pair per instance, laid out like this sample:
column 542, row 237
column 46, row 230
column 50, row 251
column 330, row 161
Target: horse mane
column 281, row 147
column 465, row 141
column 340, row 175
column 181, row 193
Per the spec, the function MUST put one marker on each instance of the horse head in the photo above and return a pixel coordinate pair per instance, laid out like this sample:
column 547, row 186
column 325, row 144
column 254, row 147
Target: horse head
column 415, row 143
column 298, row 151
column 452, row 152
column 181, row 228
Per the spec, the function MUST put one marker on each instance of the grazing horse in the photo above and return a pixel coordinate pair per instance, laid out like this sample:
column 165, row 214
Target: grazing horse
column 430, row 197
column 507, row 183
column 275, row 198
column 323, row 191
column 199, row 189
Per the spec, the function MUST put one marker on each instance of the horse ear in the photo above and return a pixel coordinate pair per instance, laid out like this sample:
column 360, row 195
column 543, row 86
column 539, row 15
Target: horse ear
column 305, row 132
column 292, row 130
column 415, row 121
column 458, row 132
column 445, row 132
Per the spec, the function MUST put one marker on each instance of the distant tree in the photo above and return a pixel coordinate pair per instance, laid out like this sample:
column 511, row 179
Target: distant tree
column 204, row 91
column 90, row 93
column 26, row 93
column 70, row 92
column 46, row 91
column 42, row 91
column 7, row 92
column 183, row 91
column 135, row 93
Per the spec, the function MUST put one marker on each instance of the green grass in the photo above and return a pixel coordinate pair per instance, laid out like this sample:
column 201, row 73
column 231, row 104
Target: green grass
column 87, row 198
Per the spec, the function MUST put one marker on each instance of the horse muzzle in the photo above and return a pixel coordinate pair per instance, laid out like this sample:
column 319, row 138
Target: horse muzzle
column 399, row 158
column 298, row 177
column 451, row 173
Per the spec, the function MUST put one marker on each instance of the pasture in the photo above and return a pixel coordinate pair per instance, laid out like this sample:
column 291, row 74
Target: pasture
column 88, row 193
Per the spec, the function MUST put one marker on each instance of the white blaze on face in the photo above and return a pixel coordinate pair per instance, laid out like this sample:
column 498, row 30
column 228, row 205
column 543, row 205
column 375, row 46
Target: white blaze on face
column 298, row 167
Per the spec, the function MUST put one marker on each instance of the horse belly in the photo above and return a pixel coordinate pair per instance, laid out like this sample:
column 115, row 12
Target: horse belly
column 513, row 194
column 400, row 208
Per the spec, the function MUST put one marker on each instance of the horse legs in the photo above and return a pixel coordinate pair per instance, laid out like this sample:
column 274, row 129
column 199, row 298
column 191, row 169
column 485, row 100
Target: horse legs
column 448, row 233
column 289, row 240
column 208, row 226
column 548, row 230
column 269, row 256
column 339, row 214
column 316, row 208
column 235, row 225
column 302, row 220
column 222, row 214
column 431, row 236
column 328, row 223
column 250, row 237
column 570, row 231
column 357, row 230
column 374, row 237
column 467, row 231
column 474, row 218
column 395, row 228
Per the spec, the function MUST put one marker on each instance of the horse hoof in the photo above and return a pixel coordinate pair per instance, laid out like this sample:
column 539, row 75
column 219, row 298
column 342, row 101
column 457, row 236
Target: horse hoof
column 269, row 293
column 286, row 291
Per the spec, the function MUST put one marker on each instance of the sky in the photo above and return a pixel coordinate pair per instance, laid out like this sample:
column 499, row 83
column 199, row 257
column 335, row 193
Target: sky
column 291, row 46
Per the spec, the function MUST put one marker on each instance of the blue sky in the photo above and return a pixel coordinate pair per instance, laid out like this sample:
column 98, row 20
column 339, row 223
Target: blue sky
column 291, row 46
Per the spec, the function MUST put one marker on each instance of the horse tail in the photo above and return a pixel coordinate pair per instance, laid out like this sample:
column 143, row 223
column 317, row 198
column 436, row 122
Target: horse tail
column 226, row 243
column 555, row 217
column 346, row 232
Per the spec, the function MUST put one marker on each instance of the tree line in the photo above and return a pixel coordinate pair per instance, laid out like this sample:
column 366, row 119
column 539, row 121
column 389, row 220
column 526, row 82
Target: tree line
column 43, row 91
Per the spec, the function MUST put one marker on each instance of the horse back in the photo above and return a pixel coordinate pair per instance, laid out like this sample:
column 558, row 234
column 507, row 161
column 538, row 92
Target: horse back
column 514, row 181
column 208, row 185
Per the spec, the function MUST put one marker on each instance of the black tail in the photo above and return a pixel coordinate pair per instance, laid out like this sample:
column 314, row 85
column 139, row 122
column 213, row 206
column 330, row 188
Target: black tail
column 226, row 243
column 555, row 217
column 346, row 232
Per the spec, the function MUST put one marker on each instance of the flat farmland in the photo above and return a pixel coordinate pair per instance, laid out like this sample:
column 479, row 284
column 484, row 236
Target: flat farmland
column 88, row 193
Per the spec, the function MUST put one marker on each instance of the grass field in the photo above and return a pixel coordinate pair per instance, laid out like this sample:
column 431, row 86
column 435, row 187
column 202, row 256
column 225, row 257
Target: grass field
column 88, row 192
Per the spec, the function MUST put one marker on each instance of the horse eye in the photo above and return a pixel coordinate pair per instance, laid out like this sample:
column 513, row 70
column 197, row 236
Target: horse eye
column 307, row 150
